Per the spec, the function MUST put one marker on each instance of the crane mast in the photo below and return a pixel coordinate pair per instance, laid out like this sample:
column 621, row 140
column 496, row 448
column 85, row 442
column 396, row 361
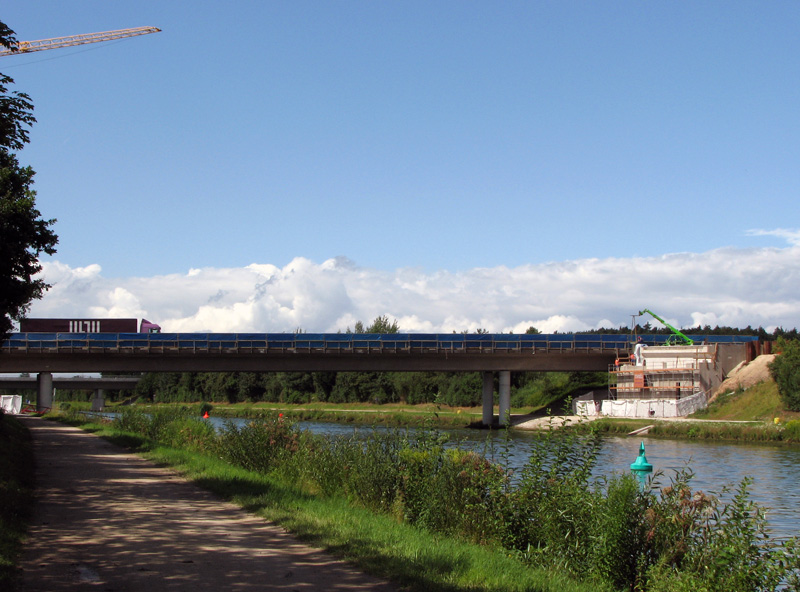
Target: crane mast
column 72, row 40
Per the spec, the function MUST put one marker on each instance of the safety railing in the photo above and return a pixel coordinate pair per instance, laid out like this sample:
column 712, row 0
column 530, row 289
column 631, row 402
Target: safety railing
column 335, row 343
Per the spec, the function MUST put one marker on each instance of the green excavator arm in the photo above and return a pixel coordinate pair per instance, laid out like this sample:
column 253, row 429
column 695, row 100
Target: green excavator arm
column 677, row 338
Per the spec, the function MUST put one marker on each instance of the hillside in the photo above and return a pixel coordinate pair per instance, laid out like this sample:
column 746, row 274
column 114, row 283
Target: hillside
column 749, row 393
column 746, row 375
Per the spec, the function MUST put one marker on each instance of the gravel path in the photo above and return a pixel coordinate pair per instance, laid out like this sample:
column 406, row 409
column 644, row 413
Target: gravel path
column 109, row 520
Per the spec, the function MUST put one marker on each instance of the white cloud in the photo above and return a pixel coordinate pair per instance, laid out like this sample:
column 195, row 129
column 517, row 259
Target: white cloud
column 734, row 287
column 790, row 235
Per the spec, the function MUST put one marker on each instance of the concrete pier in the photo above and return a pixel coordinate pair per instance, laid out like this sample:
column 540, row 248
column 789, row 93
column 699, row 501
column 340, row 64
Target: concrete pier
column 505, row 397
column 44, row 389
column 488, row 398
column 99, row 400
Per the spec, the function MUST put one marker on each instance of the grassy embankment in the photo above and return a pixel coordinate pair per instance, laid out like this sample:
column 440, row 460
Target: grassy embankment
column 388, row 414
column 16, row 495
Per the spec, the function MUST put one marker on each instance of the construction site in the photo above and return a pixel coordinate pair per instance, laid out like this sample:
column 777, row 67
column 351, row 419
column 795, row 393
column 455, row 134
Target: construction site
column 671, row 380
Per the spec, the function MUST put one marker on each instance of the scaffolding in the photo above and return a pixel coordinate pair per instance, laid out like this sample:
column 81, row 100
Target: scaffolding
column 666, row 372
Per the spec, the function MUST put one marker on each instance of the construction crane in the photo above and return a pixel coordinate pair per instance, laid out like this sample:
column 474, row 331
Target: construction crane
column 677, row 338
column 42, row 44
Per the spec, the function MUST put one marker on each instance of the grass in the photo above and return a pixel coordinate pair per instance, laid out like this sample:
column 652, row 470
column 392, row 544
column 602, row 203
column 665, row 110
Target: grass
column 16, row 495
column 760, row 402
column 389, row 414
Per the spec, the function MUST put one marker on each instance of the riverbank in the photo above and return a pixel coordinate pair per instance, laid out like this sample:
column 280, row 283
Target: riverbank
column 397, row 415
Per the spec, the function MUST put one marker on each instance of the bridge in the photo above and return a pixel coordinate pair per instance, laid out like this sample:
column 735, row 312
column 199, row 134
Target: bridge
column 45, row 353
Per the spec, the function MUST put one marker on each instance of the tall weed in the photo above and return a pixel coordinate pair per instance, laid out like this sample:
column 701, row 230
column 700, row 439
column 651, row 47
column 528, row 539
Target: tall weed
column 260, row 444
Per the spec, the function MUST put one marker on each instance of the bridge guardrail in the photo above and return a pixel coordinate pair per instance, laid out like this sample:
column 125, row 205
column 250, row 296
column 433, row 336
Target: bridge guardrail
column 341, row 343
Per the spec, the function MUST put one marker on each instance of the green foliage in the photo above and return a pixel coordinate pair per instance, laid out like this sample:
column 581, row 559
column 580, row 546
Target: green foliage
column 260, row 444
column 554, row 502
column 461, row 389
column 791, row 431
column 25, row 234
column 456, row 389
column 16, row 494
column 697, row 543
column 785, row 370
column 382, row 325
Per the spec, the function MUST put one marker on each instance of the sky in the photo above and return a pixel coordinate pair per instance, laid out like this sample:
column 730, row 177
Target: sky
column 284, row 165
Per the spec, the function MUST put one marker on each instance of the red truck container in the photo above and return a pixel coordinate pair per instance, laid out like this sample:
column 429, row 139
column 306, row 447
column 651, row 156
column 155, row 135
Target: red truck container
column 87, row 326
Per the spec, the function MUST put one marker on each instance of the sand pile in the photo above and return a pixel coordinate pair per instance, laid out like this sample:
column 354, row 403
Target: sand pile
column 746, row 375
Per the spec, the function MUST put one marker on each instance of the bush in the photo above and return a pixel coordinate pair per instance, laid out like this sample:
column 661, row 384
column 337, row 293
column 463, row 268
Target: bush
column 697, row 543
column 785, row 370
column 258, row 445
column 791, row 431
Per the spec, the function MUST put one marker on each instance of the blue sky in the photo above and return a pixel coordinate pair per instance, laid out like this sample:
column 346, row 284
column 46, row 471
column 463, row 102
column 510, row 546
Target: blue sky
column 441, row 139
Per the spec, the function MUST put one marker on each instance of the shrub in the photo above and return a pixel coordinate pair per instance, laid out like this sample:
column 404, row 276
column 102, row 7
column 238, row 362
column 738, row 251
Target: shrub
column 791, row 431
column 697, row 543
column 176, row 427
column 258, row 445
column 785, row 370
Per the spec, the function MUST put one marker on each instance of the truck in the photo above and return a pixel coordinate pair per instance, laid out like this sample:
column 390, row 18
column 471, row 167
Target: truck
column 87, row 326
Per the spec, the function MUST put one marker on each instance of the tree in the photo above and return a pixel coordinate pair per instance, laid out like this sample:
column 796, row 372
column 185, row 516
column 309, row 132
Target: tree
column 379, row 325
column 25, row 235
column 785, row 370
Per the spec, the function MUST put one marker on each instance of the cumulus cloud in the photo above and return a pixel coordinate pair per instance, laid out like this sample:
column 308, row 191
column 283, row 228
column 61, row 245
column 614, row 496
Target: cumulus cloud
column 734, row 287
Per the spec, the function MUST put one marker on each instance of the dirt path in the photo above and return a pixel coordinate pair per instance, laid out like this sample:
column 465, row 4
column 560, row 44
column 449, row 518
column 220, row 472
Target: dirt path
column 109, row 520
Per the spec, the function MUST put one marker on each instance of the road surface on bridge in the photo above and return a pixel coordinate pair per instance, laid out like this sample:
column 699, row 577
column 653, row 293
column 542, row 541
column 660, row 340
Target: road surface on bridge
column 110, row 520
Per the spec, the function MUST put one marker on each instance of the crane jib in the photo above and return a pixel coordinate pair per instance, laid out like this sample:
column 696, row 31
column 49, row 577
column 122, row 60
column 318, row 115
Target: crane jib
column 72, row 40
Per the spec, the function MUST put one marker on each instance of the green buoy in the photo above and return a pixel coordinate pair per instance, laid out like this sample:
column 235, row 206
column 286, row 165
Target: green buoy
column 640, row 467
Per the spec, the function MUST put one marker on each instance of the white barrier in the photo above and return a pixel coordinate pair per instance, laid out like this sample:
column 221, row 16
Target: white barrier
column 11, row 403
column 654, row 407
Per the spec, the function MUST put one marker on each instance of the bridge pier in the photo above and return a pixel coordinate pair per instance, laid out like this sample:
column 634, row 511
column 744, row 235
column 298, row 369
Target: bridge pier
column 488, row 398
column 99, row 400
column 505, row 397
column 44, row 390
